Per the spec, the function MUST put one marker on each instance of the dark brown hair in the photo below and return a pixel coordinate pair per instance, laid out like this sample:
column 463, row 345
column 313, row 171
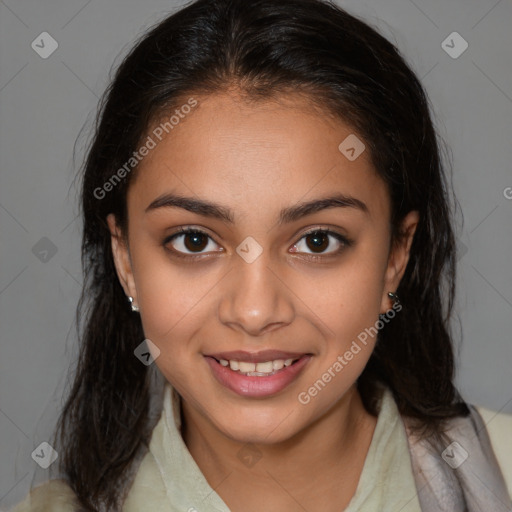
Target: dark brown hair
column 263, row 48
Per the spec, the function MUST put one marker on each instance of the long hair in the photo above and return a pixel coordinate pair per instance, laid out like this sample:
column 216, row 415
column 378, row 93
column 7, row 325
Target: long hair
column 264, row 48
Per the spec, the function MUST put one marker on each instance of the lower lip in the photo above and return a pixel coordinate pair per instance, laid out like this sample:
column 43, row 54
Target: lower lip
column 256, row 386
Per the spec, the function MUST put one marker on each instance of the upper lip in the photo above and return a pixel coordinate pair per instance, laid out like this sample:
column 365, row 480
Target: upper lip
column 256, row 357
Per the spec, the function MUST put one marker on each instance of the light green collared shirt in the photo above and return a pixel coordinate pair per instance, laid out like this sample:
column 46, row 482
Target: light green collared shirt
column 168, row 478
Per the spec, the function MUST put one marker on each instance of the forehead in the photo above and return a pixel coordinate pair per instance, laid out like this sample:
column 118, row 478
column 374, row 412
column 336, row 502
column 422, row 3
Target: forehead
column 256, row 156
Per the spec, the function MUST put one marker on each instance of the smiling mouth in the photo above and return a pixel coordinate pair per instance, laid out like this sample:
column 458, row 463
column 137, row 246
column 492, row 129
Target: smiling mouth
column 261, row 369
column 262, row 378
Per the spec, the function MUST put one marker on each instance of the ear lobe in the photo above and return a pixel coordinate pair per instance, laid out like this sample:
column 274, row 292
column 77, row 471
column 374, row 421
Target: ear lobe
column 121, row 257
column 399, row 256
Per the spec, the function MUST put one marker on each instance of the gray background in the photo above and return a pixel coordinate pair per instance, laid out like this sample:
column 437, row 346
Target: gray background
column 45, row 102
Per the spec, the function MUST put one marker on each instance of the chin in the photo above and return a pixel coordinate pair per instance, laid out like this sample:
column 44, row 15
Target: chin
column 258, row 429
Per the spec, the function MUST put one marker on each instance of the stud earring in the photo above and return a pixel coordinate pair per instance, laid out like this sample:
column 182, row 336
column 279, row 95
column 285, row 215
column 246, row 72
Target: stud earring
column 394, row 297
column 134, row 307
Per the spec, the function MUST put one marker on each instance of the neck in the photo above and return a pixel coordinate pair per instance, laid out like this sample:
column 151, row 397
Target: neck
column 333, row 449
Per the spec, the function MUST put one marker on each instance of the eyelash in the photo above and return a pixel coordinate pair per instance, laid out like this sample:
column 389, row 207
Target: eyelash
column 346, row 242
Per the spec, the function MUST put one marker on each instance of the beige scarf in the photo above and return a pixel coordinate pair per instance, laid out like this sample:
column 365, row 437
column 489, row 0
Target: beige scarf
column 458, row 474
column 461, row 473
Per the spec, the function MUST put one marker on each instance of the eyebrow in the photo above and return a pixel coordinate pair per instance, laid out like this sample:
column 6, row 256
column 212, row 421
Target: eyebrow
column 286, row 215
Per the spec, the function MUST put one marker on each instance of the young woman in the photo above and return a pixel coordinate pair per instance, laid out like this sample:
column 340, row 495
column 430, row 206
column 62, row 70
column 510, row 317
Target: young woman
column 270, row 268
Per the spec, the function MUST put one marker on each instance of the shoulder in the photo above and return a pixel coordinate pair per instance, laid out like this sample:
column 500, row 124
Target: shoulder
column 54, row 495
column 499, row 427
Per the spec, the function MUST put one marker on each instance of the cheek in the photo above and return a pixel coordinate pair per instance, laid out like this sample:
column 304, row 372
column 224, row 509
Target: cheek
column 156, row 285
column 345, row 300
column 171, row 297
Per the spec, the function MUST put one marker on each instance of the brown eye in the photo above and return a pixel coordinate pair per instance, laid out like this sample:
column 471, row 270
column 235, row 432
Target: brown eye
column 190, row 241
column 195, row 241
column 319, row 241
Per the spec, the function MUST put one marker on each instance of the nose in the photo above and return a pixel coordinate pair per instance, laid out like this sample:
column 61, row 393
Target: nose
column 255, row 299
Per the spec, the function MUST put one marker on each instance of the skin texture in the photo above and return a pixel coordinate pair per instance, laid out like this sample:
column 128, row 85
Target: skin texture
column 255, row 159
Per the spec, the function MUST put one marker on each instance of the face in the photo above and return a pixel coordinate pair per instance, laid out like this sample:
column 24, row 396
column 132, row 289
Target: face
column 288, row 259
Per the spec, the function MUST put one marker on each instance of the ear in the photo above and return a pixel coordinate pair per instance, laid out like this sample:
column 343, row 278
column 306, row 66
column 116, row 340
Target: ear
column 121, row 256
column 398, row 258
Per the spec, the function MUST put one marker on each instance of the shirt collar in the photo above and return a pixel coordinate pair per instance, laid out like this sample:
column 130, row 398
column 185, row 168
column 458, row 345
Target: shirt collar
column 386, row 478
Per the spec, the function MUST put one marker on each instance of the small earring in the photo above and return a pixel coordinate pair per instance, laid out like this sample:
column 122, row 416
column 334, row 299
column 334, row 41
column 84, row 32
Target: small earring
column 394, row 297
column 134, row 307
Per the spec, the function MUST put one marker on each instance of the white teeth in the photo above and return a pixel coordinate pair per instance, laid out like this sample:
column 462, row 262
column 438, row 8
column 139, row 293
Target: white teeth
column 278, row 364
column 246, row 367
column 264, row 368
